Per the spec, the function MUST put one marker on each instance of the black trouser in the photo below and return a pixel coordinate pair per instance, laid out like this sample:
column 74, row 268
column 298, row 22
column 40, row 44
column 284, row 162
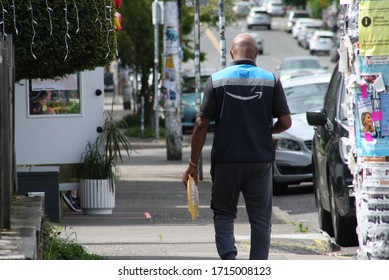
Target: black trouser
column 254, row 180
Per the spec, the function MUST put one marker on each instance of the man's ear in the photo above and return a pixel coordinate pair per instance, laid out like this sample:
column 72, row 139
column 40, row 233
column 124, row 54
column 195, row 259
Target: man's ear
column 232, row 54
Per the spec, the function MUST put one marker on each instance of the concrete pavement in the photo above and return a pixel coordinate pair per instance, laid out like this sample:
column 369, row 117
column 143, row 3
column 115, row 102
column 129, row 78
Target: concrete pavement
column 151, row 221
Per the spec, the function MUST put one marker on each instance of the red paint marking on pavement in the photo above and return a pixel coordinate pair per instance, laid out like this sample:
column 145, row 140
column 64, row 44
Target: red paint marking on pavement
column 148, row 216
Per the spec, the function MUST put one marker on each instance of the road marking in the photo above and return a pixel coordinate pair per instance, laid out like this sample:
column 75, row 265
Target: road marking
column 215, row 42
column 147, row 215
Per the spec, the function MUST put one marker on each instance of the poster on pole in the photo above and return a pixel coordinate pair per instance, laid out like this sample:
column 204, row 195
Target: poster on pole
column 373, row 26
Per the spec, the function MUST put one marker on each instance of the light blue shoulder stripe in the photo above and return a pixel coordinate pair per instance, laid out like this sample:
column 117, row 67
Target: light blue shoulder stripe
column 243, row 74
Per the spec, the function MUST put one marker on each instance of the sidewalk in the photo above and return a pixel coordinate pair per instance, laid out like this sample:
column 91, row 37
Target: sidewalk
column 151, row 221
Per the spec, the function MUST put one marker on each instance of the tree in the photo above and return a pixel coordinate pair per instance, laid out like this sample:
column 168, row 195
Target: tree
column 136, row 42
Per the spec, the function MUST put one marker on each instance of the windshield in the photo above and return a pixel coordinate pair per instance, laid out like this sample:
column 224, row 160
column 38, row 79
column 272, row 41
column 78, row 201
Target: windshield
column 300, row 64
column 303, row 98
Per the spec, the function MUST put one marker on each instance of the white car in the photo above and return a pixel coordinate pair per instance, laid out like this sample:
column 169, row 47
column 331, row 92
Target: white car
column 259, row 40
column 295, row 66
column 293, row 16
column 276, row 8
column 308, row 28
column 258, row 17
column 300, row 22
column 322, row 41
column 293, row 160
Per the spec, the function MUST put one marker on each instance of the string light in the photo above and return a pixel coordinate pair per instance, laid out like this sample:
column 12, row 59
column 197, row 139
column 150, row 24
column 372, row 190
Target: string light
column 78, row 19
column 3, row 21
column 14, row 12
column 97, row 15
column 109, row 19
column 67, row 30
column 33, row 31
column 107, row 14
column 49, row 10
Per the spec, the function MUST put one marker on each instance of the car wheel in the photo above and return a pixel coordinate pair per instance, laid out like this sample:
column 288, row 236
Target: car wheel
column 249, row 27
column 269, row 27
column 345, row 232
column 312, row 52
column 279, row 188
column 325, row 221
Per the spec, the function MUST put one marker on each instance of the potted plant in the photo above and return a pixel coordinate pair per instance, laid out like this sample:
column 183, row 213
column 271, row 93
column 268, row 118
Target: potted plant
column 99, row 167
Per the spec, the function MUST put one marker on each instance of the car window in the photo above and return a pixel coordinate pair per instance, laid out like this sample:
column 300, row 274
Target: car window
column 299, row 15
column 343, row 103
column 305, row 97
column 300, row 64
column 331, row 97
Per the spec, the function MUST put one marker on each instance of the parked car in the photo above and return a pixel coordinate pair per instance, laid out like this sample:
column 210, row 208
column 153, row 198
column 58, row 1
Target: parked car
column 259, row 41
column 293, row 15
column 300, row 22
column 241, row 9
column 321, row 41
column 305, row 33
column 295, row 66
column 276, row 8
column 258, row 17
column 188, row 97
column 334, row 54
column 293, row 161
column 333, row 181
column 305, row 36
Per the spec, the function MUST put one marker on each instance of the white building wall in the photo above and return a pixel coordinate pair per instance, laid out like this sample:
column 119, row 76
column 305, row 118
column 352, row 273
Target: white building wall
column 58, row 139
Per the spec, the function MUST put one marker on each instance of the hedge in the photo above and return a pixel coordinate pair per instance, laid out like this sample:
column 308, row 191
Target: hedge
column 54, row 38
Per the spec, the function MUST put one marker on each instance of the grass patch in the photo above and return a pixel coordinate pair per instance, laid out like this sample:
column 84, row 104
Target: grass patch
column 132, row 126
column 55, row 248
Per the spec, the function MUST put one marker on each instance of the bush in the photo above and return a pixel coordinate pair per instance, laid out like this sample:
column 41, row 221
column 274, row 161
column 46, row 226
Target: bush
column 133, row 127
column 56, row 249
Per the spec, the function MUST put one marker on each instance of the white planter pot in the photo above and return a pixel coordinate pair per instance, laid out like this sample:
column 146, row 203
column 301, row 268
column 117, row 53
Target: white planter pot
column 96, row 196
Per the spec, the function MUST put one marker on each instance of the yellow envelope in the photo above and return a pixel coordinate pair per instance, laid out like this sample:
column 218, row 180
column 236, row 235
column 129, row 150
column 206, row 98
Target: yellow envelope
column 193, row 198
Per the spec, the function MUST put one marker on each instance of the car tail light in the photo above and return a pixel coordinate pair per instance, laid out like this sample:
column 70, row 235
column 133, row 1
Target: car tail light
column 344, row 149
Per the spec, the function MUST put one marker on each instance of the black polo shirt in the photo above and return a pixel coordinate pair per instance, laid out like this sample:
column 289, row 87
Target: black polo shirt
column 243, row 99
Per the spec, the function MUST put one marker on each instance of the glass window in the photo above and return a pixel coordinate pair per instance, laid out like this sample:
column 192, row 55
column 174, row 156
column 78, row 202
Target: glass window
column 54, row 97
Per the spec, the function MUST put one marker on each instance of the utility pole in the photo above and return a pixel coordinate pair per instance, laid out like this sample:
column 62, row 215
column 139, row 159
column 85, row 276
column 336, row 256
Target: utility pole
column 222, row 32
column 198, row 71
column 157, row 10
column 172, row 79
column 364, row 64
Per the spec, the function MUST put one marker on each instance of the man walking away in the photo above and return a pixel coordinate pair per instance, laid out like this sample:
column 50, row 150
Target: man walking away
column 242, row 99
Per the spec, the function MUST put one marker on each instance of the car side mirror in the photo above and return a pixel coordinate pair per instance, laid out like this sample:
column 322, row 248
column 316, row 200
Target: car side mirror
column 316, row 117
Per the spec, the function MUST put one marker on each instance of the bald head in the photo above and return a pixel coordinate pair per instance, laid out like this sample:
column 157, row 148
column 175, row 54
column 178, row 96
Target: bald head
column 244, row 47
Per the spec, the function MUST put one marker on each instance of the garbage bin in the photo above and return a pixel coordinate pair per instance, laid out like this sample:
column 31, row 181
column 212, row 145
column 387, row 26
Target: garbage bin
column 42, row 179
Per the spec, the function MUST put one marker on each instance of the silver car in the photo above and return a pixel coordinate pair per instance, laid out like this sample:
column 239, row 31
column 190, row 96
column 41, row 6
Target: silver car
column 259, row 40
column 322, row 41
column 293, row 156
column 258, row 17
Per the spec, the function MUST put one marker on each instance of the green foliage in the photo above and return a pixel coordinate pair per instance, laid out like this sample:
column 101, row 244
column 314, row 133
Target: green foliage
column 102, row 157
column 136, row 39
column 61, row 37
column 318, row 6
column 132, row 128
column 56, row 249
